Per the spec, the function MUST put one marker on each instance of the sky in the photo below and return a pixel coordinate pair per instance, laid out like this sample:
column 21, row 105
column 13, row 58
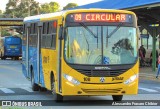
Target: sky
column 61, row 2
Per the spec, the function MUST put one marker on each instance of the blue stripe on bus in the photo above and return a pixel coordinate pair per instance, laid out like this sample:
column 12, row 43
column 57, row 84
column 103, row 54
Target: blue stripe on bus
column 33, row 62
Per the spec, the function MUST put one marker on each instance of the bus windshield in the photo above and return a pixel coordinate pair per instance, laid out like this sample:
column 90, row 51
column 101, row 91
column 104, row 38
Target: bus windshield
column 13, row 41
column 100, row 45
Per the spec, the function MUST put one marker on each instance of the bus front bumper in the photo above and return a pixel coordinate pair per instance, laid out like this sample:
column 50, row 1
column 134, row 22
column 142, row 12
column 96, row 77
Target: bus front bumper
column 99, row 89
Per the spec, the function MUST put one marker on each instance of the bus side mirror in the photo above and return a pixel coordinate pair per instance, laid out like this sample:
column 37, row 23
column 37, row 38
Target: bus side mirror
column 61, row 33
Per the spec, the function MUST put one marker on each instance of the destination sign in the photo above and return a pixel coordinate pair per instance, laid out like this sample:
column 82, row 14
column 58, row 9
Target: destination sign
column 99, row 17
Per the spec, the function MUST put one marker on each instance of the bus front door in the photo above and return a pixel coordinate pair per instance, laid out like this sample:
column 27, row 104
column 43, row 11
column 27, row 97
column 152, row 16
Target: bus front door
column 27, row 52
column 39, row 53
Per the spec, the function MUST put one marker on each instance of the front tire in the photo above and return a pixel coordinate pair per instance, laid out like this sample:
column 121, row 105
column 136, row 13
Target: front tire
column 117, row 97
column 35, row 87
column 57, row 97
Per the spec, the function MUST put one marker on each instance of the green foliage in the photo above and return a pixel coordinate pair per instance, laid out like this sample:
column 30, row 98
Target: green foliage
column 70, row 5
column 16, row 8
column 5, row 33
column 24, row 8
column 49, row 7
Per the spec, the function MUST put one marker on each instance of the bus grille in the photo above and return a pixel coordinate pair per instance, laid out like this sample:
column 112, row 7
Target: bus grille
column 102, row 91
column 101, row 73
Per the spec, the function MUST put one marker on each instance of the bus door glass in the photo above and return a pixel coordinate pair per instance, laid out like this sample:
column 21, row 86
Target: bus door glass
column 27, row 51
column 39, row 51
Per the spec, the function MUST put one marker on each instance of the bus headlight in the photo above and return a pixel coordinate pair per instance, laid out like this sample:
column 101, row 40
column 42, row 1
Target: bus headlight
column 131, row 79
column 71, row 79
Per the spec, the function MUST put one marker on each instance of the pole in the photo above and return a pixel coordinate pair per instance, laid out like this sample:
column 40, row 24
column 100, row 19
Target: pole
column 154, row 49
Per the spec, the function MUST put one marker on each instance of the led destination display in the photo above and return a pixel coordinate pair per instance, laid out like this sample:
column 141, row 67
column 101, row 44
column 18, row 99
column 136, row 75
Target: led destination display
column 99, row 17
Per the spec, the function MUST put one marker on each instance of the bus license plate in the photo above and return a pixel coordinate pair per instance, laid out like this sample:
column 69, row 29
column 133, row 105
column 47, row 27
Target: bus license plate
column 12, row 46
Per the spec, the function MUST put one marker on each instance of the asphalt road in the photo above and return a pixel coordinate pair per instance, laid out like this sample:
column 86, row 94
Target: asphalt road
column 14, row 86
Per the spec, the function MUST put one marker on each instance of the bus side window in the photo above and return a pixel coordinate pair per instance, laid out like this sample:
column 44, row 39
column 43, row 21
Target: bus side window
column 43, row 41
column 44, row 28
column 48, row 41
column 24, row 35
column 54, row 34
column 53, row 44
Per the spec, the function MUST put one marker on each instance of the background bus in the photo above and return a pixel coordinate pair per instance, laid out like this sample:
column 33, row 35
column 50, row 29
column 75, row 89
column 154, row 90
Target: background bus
column 82, row 52
column 11, row 47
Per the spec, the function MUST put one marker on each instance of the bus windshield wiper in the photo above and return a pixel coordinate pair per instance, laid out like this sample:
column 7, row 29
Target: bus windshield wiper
column 89, row 30
column 115, row 30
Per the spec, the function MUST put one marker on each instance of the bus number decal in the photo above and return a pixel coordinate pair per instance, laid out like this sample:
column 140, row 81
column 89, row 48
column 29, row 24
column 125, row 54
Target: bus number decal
column 87, row 79
column 46, row 59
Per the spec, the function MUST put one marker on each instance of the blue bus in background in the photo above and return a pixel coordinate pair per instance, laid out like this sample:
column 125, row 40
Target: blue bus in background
column 10, row 47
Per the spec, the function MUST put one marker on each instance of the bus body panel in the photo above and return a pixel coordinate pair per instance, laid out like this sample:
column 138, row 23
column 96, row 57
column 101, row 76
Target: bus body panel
column 111, row 86
column 32, row 62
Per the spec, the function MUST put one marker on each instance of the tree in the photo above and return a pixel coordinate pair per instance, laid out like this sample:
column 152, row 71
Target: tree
column 28, row 8
column 5, row 33
column 10, row 8
column 70, row 5
column 22, row 8
column 49, row 7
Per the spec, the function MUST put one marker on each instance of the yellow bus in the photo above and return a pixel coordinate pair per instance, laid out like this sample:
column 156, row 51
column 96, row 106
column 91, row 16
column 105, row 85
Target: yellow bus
column 82, row 52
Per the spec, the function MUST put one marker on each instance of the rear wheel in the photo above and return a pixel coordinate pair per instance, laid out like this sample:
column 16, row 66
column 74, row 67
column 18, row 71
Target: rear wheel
column 35, row 87
column 117, row 97
column 42, row 89
column 57, row 97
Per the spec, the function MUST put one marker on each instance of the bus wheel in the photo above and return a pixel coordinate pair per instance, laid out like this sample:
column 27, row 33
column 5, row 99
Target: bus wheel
column 16, row 58
column 57, row 97
column 35, row 87
column 117, row 97
column 42, row 89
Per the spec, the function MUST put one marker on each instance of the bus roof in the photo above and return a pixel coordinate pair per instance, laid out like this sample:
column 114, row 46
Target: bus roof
column 38, row 17
column 62, row 13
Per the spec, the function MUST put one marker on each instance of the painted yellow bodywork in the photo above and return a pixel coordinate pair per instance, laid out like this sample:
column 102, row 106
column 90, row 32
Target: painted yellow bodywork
column 95, row 89
column 70, row 89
